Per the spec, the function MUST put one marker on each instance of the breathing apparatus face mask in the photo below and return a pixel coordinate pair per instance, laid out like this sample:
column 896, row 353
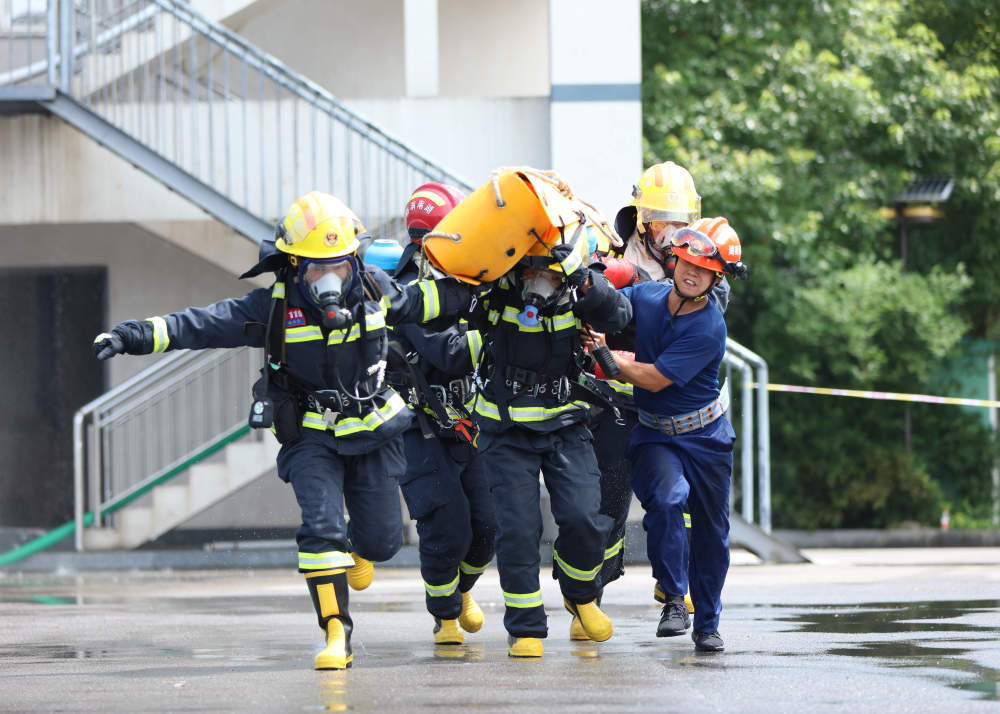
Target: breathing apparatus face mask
column 327, row 283
column 539, row 288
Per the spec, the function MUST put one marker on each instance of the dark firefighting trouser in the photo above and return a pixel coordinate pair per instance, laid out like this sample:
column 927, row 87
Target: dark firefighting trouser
column 610, row 442
column 693, row 468
column 447, row 494
column 565, row 457
column 324, row 481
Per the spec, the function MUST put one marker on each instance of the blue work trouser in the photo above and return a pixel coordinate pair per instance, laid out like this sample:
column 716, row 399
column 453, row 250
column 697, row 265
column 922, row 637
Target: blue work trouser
column 610, row 442
column 512, row 459
column 324, row 480
column 446, row 492
column 694, row 468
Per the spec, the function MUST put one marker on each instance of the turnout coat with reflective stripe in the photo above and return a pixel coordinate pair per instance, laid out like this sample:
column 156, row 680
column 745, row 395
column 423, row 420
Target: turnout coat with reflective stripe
column 443, row 350
column 545, row 351
column 321, row 359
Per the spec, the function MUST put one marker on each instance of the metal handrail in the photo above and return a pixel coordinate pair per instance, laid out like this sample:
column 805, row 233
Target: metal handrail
column 736, row 352
column 53, row 59
column 208, row 386
column 746, row 433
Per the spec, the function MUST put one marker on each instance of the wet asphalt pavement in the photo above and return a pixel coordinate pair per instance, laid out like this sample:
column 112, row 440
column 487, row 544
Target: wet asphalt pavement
column 893, row 630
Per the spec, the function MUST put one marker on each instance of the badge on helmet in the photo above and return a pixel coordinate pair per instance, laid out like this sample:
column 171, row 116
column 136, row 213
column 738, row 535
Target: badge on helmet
column 319, row 225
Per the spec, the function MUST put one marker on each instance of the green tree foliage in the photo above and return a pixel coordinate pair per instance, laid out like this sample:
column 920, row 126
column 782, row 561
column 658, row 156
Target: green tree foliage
column 799, row 121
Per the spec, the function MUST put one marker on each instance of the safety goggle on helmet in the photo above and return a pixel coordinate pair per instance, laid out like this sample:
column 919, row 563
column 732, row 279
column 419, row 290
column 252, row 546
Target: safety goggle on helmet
column 710, row 243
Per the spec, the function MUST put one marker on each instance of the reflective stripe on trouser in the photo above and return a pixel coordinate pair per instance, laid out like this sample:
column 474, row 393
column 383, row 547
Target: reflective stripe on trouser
column 446, row 493
column 566, row 458
column 692, row 468
column 610, row 442
column 324, row 481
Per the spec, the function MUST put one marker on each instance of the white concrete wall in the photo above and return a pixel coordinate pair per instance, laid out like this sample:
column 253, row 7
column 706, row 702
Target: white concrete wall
column 470, row 137
column 493, row 49
column 359, row 49
column 51, row 173
column 353, row 48
column 596, row 118
column 492, row 72
column 420, row 43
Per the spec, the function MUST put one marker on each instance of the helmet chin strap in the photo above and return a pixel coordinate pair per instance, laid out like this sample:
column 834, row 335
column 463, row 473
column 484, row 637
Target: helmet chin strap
column 684, row 298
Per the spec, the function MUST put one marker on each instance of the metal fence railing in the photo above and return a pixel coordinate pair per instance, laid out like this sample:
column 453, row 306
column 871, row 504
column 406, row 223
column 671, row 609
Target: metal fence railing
column 201, row 96
column 130, row 436
column 755, row 432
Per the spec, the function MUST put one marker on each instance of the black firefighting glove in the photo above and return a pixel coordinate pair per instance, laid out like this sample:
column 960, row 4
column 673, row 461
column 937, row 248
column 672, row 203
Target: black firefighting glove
column 455, row 296
column 576, row 278
column 130, row 337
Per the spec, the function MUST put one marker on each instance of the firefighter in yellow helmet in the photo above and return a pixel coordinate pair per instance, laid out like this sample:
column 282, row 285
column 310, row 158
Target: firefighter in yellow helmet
column 322, row 325
column 663, row 201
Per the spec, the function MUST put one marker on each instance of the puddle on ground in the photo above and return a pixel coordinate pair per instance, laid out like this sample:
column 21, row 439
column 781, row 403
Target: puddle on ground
column 943, row 655
column 886, row 618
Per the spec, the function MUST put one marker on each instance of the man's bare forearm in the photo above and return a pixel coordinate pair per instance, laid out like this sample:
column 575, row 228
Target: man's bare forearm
column 642, row 374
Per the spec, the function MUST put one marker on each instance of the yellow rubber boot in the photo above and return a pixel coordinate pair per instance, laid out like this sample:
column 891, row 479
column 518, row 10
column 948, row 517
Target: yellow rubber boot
column 337, row 653
column 360, row 576
column 593, row 621
column 471, row 618
column 524, row 647
column 328, row 590
column 446, row 632
column 576, row 631
column 689, row 603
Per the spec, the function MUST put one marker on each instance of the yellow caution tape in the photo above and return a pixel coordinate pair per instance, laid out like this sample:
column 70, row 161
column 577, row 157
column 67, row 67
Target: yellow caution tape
column 889, row 396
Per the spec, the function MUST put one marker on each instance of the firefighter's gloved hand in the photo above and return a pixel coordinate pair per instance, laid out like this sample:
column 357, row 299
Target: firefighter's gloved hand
column 577, row 277
column 107, row 345
column 129, row 337
column 455, row 296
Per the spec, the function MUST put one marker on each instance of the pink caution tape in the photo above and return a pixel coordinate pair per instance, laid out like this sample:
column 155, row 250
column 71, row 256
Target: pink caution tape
column 888, row 396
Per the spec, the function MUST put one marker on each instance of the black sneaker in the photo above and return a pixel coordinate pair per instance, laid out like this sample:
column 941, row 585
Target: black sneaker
column 707, row 641
column 674, row 620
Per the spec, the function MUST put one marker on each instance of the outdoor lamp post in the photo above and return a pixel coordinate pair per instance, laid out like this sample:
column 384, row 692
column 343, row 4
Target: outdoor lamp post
column 916, row 206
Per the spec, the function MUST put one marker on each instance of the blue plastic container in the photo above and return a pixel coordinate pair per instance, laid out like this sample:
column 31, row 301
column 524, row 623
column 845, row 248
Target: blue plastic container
column 385, row 253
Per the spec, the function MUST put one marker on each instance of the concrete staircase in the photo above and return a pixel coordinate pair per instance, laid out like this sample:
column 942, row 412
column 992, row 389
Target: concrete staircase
column 177, row 501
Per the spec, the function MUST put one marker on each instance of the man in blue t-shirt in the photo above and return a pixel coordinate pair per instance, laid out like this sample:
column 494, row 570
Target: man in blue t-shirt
column 681, row 452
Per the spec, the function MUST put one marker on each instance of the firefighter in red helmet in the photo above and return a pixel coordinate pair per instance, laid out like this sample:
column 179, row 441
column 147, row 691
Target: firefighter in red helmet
column 444, row 486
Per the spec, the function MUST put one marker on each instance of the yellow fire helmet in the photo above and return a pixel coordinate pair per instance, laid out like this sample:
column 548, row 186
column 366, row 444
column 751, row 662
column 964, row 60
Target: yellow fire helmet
column 519, row 210
column 666, row 192
column 319, row 225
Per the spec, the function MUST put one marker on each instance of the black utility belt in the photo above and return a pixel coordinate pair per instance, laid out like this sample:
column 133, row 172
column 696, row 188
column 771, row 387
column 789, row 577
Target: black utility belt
column 557, row 388
column 323, row 399
column 455, row 394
